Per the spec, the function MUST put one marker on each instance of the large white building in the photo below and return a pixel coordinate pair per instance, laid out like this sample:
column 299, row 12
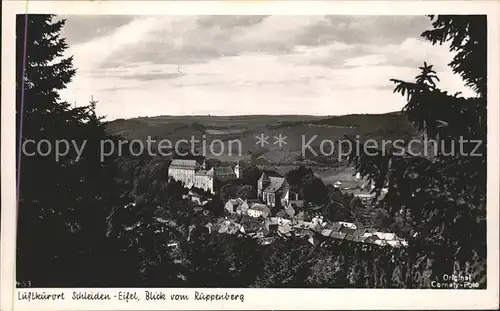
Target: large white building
column 192, row 174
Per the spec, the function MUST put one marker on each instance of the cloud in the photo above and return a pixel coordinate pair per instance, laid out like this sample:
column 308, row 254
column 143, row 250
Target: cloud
column 95, row 52
column 366, row 60
column 195, row 39
column 154, row 76
column 228, row 21
column 322, row 65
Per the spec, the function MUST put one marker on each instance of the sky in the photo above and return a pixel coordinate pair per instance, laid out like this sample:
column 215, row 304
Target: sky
column 236, row 65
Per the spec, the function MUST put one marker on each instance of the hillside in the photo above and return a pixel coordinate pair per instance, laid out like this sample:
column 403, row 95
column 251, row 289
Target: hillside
column 374, row 126
column 297, row 128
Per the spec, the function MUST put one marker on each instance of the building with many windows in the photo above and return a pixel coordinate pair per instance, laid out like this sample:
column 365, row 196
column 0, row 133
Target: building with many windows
column 193, row 174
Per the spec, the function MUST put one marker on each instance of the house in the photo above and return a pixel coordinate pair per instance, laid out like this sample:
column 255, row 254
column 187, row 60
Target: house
column 285, row 229
column 359, row 238
column 395, row 243
column 336, row 227
column 347, row 230
column 224, row 173
column 318, row 219
column 302, row 216
column 359, row 232
column 282, row 214
column 389, row 239
column 295, row 204
column 302, row 232
column 242, row 209
column 261, row 233
column 347, row 224
column 227, row 226
column 237, row 206
column 281, row 221
column 196, row 199
column 194, row 195
column 380, row 242
column 258, row 210
column 315, row 226
column 272, row 190
column 290, row 210
column 283, row 217
column 222, row 226
column 233, row 228
column 301, row 225
column 326, row 232
column 338, row 235
column 247, row 219
column 270, row 221
column 366, row 198
column 277, row 221
column 250, row 227
column 370, row 238
column 385, row 236
column 349, row 237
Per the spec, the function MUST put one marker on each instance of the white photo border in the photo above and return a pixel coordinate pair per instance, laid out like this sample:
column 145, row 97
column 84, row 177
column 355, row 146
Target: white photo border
column 255, row 299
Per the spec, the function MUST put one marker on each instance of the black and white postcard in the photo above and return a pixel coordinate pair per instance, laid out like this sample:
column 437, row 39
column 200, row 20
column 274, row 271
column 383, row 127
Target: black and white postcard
column 258, row 155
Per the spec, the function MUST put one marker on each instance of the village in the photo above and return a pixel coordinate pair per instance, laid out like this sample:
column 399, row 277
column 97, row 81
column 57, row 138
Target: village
column 277, row 212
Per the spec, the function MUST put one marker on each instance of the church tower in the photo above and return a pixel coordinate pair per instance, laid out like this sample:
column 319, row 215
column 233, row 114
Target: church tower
column 238, row 171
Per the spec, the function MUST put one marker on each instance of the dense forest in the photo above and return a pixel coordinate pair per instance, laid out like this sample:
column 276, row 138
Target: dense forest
column 91, row 223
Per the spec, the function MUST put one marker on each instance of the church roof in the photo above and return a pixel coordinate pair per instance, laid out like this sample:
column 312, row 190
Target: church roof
column 263, row 176
column 276, row 183
column 269, row 173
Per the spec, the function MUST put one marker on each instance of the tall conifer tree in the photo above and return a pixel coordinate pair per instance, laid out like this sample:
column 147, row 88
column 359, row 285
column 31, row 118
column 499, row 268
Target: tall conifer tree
column 63, row 203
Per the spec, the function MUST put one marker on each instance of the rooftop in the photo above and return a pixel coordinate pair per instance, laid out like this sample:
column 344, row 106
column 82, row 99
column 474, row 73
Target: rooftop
column 269, row 173
column 276, row 183
column 260, row 207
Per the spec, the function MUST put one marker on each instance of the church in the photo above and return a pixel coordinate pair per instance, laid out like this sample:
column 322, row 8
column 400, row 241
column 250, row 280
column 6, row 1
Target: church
column 193, row 174
column 274, row 190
